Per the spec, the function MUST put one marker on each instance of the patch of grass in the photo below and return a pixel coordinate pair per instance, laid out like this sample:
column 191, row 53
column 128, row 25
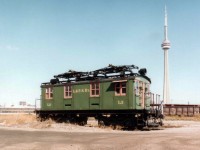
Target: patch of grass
column 12, row 119
column 24, row 120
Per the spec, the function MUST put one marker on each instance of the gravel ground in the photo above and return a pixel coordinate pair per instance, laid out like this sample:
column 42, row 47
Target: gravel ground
column 25, row 135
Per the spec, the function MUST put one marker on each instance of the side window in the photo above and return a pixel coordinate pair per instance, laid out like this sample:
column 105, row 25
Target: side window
column 147, row 90
column 141, row 89
column 49, row 93
column 94, row 89
column 120, row 88
column 67, row 91
column 123, row 86
column 136, row 88
column 117, row 88
column 141, row 85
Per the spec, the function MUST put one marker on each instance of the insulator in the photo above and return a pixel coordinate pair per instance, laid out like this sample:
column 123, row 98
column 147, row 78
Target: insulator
column 142, row 71
column 54, row 81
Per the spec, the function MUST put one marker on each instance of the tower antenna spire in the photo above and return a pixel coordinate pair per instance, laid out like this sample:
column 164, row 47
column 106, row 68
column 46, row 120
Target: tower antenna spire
column 165, row 26
column 166, row 46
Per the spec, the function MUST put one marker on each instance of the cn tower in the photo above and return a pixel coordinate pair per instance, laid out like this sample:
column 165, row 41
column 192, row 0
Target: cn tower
column 166, row 46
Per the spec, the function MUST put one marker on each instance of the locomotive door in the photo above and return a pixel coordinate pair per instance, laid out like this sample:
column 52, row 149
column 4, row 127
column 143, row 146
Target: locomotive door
column 140, row 93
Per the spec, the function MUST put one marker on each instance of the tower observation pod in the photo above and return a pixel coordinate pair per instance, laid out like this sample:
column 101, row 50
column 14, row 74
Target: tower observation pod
column 166, row 46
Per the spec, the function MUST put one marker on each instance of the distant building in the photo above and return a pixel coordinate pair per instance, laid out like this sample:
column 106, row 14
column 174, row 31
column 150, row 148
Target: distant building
column 22, row 103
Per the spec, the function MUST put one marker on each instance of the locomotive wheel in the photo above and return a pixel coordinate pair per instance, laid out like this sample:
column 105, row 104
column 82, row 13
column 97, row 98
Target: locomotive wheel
column 81, row 121
column 101, row 124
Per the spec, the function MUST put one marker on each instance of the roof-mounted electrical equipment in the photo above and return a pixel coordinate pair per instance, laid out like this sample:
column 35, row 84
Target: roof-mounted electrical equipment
column 111, row 71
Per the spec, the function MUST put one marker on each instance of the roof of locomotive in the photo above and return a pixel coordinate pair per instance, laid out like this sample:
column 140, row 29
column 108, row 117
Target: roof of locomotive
column 110, row 73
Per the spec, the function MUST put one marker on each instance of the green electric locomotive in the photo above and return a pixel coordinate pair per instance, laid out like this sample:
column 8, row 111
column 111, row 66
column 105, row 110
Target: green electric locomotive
column 114, row 95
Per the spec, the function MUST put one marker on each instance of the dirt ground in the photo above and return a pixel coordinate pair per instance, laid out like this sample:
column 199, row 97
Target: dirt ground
column 24, row 132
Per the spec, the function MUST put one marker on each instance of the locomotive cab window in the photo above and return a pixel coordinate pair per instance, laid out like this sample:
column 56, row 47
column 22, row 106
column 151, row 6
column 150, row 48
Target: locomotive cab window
column 147, row 90
column 49, row 93
column 120, row 88
column 68, row 91
column 136, row 87
column 94, row 89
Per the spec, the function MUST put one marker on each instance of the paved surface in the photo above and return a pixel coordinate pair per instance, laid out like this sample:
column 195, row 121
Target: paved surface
column 169, row 139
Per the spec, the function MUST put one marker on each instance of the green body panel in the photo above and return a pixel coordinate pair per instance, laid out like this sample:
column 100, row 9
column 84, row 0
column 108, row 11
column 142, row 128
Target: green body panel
column 81, row 96
column 58, row 98
column 107, row 95
column 94, row 103
column 131, row 95
column 68, row 105
column 81, row 99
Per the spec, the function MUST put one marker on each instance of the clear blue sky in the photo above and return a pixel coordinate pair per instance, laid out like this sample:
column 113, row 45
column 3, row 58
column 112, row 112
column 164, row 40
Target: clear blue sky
column 42, row 38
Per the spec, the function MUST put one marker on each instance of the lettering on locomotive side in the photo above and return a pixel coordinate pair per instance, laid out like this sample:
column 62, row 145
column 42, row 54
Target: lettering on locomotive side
column 81, row 91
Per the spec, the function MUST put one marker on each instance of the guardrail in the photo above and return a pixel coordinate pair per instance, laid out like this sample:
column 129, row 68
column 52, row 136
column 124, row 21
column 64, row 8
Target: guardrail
column 17, row 110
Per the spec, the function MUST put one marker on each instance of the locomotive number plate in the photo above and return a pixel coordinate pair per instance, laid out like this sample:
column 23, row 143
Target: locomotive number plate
column 120, row 102
column 49, row 104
